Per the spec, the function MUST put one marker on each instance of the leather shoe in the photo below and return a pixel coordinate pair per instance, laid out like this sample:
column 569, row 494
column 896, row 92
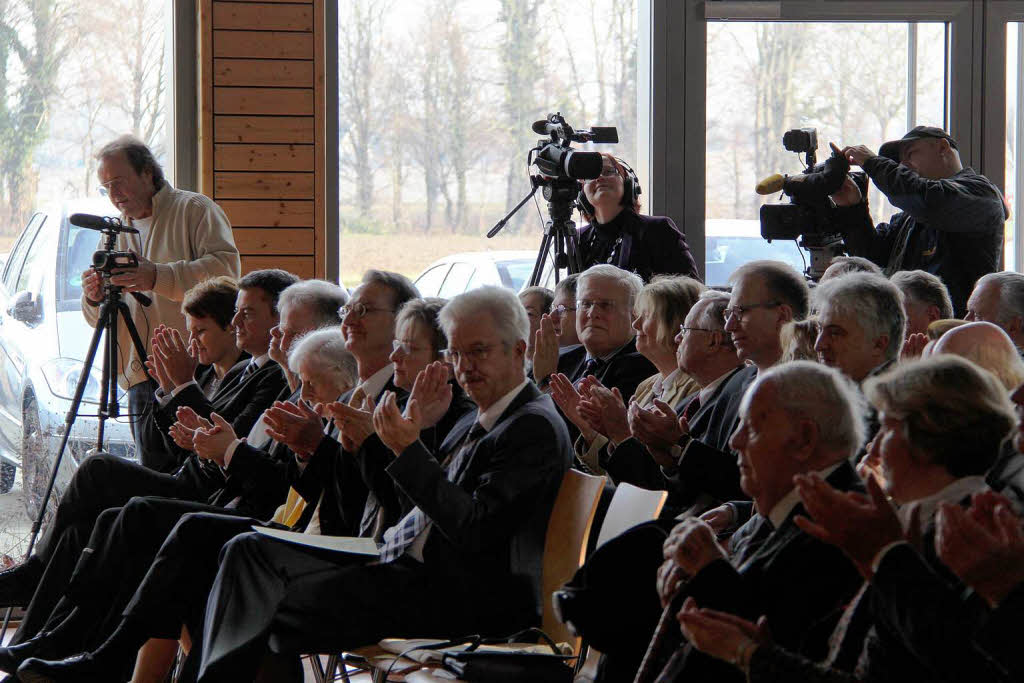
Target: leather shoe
column 42, row 646
column 18, row 584
column 80, row 669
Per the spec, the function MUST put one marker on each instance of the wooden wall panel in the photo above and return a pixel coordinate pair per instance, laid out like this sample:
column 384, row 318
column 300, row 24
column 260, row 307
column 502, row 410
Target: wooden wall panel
column 263, row 157
column 286, row 101
column 281, row 73
column 263, row 16
column 261, row 127
column 263, row 44
column 303, row 266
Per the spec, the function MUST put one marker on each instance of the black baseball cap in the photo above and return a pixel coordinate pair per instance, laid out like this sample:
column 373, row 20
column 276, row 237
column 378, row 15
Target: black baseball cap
column 891, row 149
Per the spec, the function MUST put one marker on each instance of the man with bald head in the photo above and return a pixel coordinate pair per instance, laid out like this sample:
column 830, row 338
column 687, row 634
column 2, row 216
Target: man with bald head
column 987, row 346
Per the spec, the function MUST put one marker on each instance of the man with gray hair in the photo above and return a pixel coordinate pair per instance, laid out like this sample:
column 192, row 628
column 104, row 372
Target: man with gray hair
column 925, row 299
column 450, row 565
column 305, row 306
column 797, row 418
column 181, row 239
column 861, row 324
column 605, row 296
column 999, row 298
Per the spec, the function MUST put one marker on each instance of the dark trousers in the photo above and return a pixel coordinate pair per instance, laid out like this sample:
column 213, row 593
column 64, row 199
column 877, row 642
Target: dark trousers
column 140, row 402
column 291, row 598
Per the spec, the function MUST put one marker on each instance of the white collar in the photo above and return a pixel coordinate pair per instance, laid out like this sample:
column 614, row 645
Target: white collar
column 951, row 493
column 488, row 418
column 781, row 511
column 608, row 356
column 375, row 383
column 260, row 361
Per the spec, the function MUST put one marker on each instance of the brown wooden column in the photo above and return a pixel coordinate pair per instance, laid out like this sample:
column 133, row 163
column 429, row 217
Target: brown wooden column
column 261, row 140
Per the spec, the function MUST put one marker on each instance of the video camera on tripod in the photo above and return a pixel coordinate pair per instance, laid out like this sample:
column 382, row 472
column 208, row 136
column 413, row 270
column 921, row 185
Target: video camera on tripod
column 108, row 260
column 559, row 170
column 808, row 217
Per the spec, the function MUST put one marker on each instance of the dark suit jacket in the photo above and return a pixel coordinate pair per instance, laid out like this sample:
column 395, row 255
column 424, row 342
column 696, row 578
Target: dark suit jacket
column 335, row 474
column 630, row 462
column 651, row 245
column 385, row 503
column 800, row 583
column 489, row 519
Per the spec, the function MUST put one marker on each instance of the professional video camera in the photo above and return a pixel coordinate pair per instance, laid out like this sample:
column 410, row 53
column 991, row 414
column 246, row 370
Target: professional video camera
column 808, row 216
column 559, row 170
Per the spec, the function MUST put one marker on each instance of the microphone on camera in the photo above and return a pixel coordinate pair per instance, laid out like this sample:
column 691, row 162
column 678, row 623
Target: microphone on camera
column 101, row 223
column 771, row 184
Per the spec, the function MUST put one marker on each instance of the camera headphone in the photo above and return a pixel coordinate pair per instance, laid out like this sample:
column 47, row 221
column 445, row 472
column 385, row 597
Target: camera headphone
column 630, row 190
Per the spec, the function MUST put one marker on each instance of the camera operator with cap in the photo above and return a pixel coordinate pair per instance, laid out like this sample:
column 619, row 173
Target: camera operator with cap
column 951, row 223
column 183, row 238
column 619, row 235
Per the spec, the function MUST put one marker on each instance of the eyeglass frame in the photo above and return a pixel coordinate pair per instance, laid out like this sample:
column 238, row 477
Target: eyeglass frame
column 561, row 309
column 407, row 349
column 606, row 305
column 684, row 328
column 477, row 355
column 343, row 311
column 739, row 311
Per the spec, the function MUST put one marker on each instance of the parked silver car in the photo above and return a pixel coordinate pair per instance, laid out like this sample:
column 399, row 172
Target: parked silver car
column 43, row 342
column 460, row 273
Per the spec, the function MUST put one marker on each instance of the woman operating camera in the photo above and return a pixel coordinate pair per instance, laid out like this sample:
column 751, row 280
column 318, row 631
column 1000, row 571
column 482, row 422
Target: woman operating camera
column 619, row 235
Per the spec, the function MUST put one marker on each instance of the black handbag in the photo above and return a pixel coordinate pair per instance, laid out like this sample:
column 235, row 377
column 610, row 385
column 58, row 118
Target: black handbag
column 509, row 667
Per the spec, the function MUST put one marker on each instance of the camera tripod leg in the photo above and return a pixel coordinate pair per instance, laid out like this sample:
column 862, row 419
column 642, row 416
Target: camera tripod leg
column 69, row 421
column 542, row 256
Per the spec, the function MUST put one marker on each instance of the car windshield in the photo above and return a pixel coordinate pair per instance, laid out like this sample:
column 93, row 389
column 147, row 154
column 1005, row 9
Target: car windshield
column 514, row 273
column 81, row 243
column 726, row 254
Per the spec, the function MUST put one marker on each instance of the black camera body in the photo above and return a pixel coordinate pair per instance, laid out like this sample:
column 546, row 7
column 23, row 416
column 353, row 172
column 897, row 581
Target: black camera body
column 108, row 261
column 554, row 156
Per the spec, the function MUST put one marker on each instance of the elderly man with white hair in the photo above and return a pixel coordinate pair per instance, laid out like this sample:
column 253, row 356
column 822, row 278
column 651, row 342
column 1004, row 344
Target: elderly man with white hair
column 999, row 298
column 456, row 563
column 925, row 299
column 605, row 296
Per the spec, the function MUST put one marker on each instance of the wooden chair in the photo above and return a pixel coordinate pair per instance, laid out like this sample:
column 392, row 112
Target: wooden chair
column 565, row 545
column 631, row 505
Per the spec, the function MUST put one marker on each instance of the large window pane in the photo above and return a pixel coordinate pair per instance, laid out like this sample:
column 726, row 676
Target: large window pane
column 852, row 82
column 1014, row 130
column 436, row 102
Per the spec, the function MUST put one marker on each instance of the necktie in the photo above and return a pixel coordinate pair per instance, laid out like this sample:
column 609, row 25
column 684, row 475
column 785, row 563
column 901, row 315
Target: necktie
column 250, row 369
column 762, row 529
column 692, row 406
column 847, row 637
column 398, row 538
column 589, row 368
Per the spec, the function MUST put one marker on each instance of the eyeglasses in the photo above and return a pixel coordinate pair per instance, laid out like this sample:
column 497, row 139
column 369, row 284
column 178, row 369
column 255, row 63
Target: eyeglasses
column 683, row 329
column 406, row 347
column 739, row 311
column 602, row 305
column 361, row 310
column 115, row 185
column 476, row 354
column 561, row 309
column 608, row 171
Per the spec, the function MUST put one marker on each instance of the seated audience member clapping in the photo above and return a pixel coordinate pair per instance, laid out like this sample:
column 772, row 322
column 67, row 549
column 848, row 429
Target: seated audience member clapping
column 450, row 566
column 537, row 302
column 660, row 311
column 605, row 297
column 563, row 312
column 943, row 421
column 797, row 418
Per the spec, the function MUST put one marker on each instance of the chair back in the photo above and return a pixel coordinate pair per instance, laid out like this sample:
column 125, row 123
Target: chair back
column 631, row 505
column 565, row 544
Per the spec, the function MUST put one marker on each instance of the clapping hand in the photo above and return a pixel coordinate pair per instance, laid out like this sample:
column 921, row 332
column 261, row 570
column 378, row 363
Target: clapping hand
column 296, row 425
column 913, row 347
column 722, row 635
column 568, row 400
column 432, row 394
column 984, row 545
column 545, row 349
column 355, row 425
column 859, row 525
column 397, row 431
column 605, row 410
column 212, row 443
column 179, row 360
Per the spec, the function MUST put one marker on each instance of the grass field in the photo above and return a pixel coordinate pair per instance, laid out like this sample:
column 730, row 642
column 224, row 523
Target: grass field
column 410, row 254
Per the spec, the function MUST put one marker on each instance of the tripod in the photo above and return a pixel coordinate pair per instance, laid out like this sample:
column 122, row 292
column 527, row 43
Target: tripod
column 559, row 232
column 111, row 309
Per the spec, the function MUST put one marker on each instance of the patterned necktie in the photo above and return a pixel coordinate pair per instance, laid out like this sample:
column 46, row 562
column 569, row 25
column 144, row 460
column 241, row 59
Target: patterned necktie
column 589, row 368
column 250, row 369
column 763, row 528
column 400, row 537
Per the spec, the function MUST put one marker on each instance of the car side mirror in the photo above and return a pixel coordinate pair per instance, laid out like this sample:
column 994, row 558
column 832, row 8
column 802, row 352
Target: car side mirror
column 24, row 308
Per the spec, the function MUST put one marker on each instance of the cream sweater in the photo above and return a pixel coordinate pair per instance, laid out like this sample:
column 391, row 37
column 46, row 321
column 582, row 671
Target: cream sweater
column 190, row 241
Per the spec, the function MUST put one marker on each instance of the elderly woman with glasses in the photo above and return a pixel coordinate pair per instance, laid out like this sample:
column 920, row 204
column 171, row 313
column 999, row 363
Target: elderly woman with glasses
column 600, row 413
column 618, row 234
